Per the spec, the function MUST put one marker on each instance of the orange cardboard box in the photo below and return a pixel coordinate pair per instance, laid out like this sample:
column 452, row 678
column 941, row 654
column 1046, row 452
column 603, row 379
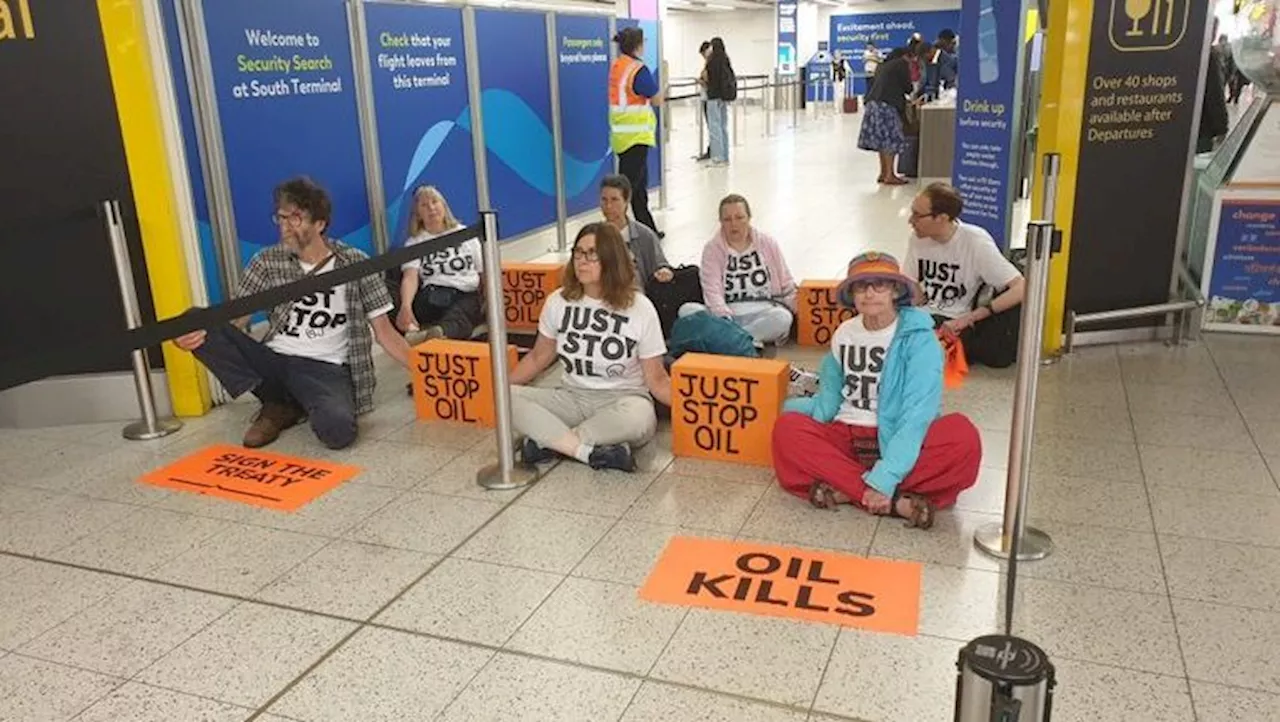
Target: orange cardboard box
column 724, row 407
column 818, row 313
column 453, row 381
column 525, row 287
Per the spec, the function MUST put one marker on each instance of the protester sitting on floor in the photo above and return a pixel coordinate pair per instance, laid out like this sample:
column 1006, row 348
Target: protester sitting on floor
column 440, row 292
column 745, row 277
column 316, row 360
column 873, row 436
column 953, row 260
column 608, row 339
column 646, row 252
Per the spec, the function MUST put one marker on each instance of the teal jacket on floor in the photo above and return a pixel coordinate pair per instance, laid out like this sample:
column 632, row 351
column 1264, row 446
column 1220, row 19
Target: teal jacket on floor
column 910, row 397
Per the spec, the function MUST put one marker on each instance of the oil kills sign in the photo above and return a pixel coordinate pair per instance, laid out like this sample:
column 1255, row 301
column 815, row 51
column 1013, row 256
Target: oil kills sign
column 873, row 594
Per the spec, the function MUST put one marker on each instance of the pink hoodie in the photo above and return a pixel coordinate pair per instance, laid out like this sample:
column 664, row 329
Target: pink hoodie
column 715, row 259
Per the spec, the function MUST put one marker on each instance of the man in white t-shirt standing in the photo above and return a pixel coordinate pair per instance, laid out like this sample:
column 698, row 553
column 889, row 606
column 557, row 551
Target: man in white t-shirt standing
column 315, row 361
column 953, row 261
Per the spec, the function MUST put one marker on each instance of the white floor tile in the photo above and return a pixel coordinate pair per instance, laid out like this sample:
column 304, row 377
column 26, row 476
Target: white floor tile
column 1230, row 645
column 348, row 579
column 142, row 703
column 32, row 690
column 383, row 676
column 424, row 523
column 542, row 539
column 1094, row 693
column 657, row 702
column 519, row 689
column 890, row 679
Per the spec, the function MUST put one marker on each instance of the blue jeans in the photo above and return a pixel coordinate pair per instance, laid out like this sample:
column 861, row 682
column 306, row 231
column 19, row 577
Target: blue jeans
column 718, row 126
column 323, row 390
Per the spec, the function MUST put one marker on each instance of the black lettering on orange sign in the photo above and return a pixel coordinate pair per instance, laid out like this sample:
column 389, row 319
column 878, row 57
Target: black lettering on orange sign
column 716, row 406
column 754, row 570
column 451, row 380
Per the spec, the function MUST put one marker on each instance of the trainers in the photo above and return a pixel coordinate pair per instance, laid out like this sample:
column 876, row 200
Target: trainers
column 531, row 453
column 802, row 382
column 612, row 456
column 272, row 419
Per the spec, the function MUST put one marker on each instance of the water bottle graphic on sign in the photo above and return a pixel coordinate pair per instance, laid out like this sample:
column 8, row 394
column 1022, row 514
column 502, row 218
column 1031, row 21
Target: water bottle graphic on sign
column 988, row 49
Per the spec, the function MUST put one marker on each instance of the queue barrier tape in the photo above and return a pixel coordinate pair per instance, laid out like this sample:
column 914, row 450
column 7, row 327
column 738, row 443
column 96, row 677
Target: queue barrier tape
column 21, row 370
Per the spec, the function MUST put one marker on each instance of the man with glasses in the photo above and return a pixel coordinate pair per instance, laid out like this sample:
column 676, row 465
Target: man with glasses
column 315, row 361
column 953, row 261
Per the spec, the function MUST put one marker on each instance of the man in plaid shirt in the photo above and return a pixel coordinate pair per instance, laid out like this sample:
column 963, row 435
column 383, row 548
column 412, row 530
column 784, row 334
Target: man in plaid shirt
column 315, row 361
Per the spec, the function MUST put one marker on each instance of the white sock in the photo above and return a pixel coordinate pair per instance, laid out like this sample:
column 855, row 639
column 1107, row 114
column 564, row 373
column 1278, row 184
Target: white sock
column 583, row 453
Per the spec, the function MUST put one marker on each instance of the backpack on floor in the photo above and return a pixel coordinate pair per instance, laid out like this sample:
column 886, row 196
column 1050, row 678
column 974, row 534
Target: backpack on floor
column 684, row 287
column 703, row 332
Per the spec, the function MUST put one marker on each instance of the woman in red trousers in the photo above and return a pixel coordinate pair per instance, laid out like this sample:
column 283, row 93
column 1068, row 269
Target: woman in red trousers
column 873, row 436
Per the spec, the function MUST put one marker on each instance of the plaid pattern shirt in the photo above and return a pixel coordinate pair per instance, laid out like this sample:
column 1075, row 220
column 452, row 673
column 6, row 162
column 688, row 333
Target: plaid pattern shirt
column 276, row 266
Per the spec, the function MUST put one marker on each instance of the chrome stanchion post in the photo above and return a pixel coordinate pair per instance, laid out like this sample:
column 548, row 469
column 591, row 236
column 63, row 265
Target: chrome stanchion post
column 1013, row 538
column 1048, row 203
column 151, row 426
column 557, row 137
column 795, row 89
column 737, row 125
column 701, row 112
column 505, row 474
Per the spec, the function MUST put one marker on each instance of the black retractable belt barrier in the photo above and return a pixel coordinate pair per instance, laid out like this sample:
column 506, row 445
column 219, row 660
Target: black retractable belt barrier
column 15, row 370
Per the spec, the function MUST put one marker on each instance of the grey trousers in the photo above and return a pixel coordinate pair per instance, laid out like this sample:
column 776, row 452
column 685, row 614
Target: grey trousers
column 595, row 417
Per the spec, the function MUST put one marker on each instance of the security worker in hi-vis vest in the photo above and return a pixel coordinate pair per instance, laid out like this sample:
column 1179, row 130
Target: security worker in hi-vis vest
column 632, row 124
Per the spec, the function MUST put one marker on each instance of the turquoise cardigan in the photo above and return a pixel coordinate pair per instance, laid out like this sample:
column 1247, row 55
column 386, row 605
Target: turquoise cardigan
column 910, row 397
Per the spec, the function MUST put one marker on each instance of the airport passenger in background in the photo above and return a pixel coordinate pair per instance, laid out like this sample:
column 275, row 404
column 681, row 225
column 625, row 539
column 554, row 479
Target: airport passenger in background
column 883, row 124
column 632, row 124
column 745, row 277
column 874, row 435
column 722, row 89
column 316, row 360
column 608, row 339
column 705, row 51
column 650, row 262
column 440, row 292
column 953, row 261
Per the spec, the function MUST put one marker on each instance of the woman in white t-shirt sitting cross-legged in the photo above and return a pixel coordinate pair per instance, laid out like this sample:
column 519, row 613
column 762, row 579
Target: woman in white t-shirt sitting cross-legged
column 874, row 435
column 608, row 340
column 440, row 292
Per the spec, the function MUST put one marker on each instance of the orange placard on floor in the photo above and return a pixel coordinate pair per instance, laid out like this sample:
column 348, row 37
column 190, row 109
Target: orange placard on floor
column 525, row 287
column 878, row 595
column 818, row 313
column 723, row 407
column 252, row 476
column 453, row 381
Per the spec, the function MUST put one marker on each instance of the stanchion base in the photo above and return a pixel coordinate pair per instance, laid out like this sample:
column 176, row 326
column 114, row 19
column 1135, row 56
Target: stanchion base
column 491, row 478
column 138, row 431
column 1036, row 545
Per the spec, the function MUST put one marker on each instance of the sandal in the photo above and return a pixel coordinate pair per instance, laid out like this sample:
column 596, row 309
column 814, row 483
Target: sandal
column 822, row 496
column 922, row 510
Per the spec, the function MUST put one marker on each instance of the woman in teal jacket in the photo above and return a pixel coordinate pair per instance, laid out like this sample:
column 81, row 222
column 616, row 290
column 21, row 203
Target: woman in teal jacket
column 874, row 434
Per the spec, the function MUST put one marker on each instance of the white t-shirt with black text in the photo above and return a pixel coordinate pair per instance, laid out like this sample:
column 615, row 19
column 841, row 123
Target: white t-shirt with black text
column 599, row 347
column 455, row 267
column 951, row 273
column 746, row 277
column 317, row 324
column 861, row 356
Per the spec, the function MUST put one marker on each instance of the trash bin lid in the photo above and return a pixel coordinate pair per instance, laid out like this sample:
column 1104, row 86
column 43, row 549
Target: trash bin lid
column 1007, row 659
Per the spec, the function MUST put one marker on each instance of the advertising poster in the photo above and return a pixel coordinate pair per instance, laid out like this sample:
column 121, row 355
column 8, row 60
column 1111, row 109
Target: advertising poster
column 419, row 74
column 515, row 87
column 1141, row 95
column 987, row 113
column 850, row 34
column 200, row 200
column 785, row 63
column 582, row 53
column 286, row 98
column 1243, row 288
column 650, row 58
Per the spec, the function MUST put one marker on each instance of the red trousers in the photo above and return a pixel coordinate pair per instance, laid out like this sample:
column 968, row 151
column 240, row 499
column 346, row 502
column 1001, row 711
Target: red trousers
column 806, row 451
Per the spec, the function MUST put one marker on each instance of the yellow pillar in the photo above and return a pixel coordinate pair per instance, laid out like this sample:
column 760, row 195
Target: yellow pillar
column 151, row 177
column 1063, row 83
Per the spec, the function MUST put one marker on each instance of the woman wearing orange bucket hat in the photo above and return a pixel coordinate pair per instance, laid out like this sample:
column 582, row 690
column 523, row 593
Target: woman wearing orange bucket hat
column 874, row 435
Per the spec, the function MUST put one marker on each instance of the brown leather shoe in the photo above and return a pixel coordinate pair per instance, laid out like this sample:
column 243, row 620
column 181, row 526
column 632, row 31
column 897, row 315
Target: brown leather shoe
column 272, row 418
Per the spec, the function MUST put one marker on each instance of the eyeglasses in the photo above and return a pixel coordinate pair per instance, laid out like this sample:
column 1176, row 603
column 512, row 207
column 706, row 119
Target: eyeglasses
column 282, row 218
column 586, row 254
column 878, row 285
column 917, row 216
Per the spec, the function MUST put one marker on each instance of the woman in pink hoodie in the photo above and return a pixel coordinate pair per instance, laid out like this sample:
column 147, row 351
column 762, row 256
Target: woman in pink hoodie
column 745, row 277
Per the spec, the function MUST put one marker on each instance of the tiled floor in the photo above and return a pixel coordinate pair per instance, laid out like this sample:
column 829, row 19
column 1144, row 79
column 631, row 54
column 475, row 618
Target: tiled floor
column 410, row 593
